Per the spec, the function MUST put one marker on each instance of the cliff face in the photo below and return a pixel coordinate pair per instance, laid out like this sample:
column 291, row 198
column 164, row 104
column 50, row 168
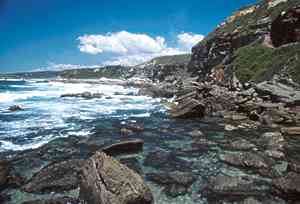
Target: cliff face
column 250, row 41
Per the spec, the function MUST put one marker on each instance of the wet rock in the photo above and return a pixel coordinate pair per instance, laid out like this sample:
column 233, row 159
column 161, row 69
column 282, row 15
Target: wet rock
column 288, row 186
column 60, row 200
column 15, row 108
column 167, row 161
column 291, row 130
column 230, row 128
column 4, row 172
column 176, row 183
column 189, row 109
column 55, row 177
column 131, row 128
column 104, row 180
column 286, row 27
column 124, row 147
column 294, row 165
column 236, row 187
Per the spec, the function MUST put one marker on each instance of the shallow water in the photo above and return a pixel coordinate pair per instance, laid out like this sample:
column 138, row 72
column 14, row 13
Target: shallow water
column 47, row 117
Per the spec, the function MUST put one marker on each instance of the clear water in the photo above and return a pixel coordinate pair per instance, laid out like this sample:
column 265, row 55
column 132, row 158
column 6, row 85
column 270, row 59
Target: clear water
column 47, row 116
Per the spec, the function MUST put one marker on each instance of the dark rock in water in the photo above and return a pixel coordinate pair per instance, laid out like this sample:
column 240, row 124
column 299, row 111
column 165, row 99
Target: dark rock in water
column 124, row 147
column 286, row 28
column 104, row 180
column 4, row 172
column 167, row 161
column 189, row 109
column 133, row 164
column 288, row 186
column 176, row 183
column 237, row 187
column 56, row 177
column 86, row 95
column 131, row 128
column 291, row 130
column 60, row 200
column 15, row 108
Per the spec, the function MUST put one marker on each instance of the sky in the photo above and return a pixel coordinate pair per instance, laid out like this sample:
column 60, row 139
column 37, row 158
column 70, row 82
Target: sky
column 63, row 34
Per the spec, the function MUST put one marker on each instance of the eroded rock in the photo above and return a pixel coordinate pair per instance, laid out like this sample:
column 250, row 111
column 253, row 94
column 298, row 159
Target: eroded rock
column 106, row 181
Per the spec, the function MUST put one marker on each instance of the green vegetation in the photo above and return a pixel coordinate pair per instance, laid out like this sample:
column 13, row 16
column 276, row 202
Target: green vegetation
column 173, row 59
column 114, row 72
column 257, row 63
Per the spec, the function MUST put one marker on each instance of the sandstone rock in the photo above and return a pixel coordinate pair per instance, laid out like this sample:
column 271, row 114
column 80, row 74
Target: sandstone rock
column 105, row 181
column 55, row 177
column 278, row 92
column 124, row 147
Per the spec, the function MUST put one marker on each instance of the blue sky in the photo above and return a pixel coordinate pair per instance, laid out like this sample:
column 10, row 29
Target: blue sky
column 40, row 34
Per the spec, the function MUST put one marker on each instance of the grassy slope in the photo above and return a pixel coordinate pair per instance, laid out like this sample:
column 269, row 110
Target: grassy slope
column 257, row 63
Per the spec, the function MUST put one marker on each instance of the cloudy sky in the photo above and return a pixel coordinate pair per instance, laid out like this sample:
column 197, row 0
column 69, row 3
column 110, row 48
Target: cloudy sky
column 62, row 34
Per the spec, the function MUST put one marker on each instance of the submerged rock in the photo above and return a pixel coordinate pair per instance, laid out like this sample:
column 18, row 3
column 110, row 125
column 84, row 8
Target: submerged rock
column 288, row 186
column 56, row 177
column 229, row 187
column 60, row 200
column 176, row 183
column 167, row 161
column 106, row 181
column 86, row 95
column 124, row 147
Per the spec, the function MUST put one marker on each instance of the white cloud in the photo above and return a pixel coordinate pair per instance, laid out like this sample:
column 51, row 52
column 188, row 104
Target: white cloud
column 131, row 48
column 59, row 67
column 188, row 40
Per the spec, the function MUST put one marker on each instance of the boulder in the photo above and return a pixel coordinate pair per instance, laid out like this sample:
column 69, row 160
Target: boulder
column 59, row 200
column 189, row 109
column 106, row 181
column 288, row 186
column 176, row 183
column 55, row 177
column 124, row 147
column 286, row 27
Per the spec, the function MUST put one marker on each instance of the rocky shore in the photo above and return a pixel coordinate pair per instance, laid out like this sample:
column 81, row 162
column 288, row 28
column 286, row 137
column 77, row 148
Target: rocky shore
column 234, row 136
